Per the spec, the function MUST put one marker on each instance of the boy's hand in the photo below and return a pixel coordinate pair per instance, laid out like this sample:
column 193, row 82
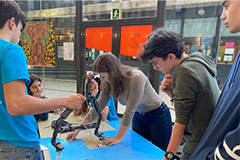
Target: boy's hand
column 166, row 85
column 74, row 101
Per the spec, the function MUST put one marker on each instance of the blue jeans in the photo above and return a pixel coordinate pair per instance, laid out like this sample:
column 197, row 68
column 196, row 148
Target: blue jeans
column 11, row 152
column 155, row 125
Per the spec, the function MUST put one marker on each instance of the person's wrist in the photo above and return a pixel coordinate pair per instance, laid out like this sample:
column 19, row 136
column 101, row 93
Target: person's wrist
column 170, row 156
column 119, row 137
column 78, row 130
column 64, row 102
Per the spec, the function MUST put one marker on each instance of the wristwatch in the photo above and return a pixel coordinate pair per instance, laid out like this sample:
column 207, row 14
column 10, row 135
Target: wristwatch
column 171, row 156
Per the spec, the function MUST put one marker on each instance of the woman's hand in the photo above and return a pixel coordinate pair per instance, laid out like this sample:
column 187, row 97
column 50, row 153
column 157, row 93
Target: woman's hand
column 39, row 95
column 116, row 139
column 94, row 89
column 112, row 140
column 71, row 136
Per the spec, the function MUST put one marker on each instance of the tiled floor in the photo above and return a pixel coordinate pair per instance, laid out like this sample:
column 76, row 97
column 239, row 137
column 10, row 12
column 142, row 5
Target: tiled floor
column 59, row 88
column 62, row 88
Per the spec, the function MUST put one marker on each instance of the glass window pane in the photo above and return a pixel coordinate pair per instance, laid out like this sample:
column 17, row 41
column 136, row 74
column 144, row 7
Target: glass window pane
column 139, row 8
column 62, row 12
column 205, row 27
column 198, row 23
column 118, row 9
column 173, row 25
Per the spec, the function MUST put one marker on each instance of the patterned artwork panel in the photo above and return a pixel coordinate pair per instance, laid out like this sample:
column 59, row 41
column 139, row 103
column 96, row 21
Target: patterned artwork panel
column 38, row 39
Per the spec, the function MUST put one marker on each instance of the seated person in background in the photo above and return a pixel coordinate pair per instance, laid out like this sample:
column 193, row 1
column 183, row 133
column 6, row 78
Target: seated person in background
column 35, row 89
column 109, row 111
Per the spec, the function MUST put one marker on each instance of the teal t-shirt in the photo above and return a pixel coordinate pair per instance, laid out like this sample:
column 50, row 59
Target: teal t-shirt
column 16, row 130
column 112, row 113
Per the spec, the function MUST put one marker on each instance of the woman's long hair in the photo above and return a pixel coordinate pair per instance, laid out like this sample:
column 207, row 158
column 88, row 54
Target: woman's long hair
column 33, row 78
column 118, row 72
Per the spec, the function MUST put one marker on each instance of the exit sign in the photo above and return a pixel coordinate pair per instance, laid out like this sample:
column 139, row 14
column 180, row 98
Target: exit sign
column 116, row 13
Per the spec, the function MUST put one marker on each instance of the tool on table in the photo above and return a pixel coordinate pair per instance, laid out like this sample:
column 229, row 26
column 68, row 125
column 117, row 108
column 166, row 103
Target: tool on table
column 61, row 126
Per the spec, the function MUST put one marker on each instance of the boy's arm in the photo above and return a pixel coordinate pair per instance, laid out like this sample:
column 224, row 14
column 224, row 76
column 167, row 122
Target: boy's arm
column 176, row 137
column 18, row 103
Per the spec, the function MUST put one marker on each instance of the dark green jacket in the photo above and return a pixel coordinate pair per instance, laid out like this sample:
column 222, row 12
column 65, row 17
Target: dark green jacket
column 195, row 92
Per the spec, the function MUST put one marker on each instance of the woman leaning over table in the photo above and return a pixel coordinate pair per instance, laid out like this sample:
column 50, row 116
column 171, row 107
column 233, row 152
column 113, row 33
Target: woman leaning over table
column 150, row 116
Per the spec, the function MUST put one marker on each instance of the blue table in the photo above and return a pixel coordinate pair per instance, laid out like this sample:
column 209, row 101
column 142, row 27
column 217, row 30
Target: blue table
column 132, row 147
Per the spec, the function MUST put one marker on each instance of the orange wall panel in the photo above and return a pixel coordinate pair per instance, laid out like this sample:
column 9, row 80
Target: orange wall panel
column 99, row 38
column 132, row 37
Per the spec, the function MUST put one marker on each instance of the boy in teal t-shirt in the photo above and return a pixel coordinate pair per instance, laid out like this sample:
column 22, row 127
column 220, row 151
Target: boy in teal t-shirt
column 15, row 130
column 18, row 129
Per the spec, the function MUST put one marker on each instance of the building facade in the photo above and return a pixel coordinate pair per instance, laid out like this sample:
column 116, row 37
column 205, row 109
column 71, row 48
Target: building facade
column 84, row 29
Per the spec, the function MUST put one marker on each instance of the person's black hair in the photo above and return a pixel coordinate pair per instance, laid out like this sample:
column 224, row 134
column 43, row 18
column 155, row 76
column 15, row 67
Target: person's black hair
column 160, row 43
column 10, row 9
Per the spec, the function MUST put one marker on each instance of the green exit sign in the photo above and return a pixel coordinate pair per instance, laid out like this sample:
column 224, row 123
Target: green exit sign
column 116, row 13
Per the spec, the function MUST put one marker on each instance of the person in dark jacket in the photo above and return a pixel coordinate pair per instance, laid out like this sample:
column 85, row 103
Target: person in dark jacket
column 35, row 88
column 193, row 87
column 222, row 137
